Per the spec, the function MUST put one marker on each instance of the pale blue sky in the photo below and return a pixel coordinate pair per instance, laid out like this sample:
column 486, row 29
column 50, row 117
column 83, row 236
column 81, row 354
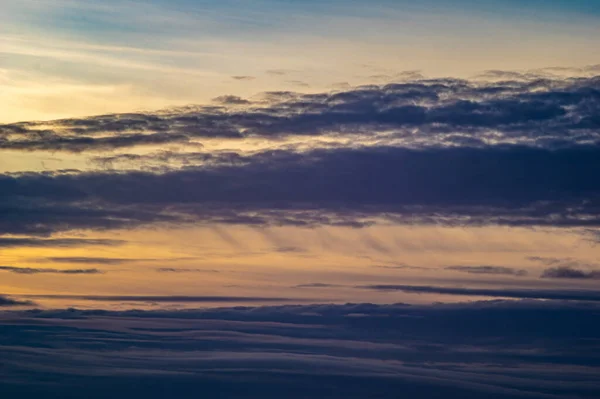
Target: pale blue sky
column 64, row 58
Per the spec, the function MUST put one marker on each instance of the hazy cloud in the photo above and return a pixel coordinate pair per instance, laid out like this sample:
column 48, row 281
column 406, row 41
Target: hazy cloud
column 91, row 260
column 184, row 270
column 30, row 270
column 544, row 112
column 341, row 186
column 402, row 267
column 165, row 298
column 6, row 302
column 489, row 270
column 567, row 272
column 231, row 100
column 10, row 242
column 243, row 77
column 316, row 285
column 574, row 295
column 559, row 262
column 446, row 151
column 529, row 349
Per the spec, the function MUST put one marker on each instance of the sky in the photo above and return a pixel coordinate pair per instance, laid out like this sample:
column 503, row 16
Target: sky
column 261, row 191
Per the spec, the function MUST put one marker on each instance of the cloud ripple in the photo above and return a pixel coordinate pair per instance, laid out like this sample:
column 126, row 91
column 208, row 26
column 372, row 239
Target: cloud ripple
column 525, row 349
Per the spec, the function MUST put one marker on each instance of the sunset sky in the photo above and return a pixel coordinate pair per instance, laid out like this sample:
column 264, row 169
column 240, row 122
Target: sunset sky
column 182, row 158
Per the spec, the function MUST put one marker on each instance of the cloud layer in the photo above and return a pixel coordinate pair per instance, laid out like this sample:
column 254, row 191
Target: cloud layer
column 488, row 349
column 541, row 112
column 31, row 270
column 571, row 273
column 489, row 270
column 514, row 152
column 518, row 293
column 6, row 301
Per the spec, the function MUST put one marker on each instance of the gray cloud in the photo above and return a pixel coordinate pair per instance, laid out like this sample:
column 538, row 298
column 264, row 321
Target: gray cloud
column 91, row 260
column 566, row 272
column 448, row 151
column 6, row 302
column 341, row 186
column 542, row 112
column 30, row 270
column 559, row 262
column 184, row 270
column 277, row 72
column 81, row 144
column 230, row 100
column 530, row 349
column 165, row 298
column 297, row 83
column 402, row 267
column 489, row 270
column 316, row 285
column 567, row 295
column 11, row 242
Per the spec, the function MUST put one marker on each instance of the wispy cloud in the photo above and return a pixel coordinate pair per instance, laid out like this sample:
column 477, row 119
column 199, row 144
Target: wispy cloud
column 6, row 302
column 573, row 295
column 354, row 350
column 31, row 270
column 555, row 188
column 489, row 270
column 316, row 285
column 566, row 272
column 184, row 270
column 167, row 298
column 91, row 260
column 10, row 242
column 243, row 77
column 548, row 113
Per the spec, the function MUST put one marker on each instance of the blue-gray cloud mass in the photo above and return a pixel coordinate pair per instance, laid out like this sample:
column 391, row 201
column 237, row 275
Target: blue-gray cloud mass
column 520, row 153
column 550, row 113
column 476, row 350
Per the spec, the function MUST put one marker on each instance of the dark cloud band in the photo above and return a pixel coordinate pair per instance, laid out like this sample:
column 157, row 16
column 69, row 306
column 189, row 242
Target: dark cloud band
column 496, row 350
column 545, row 112
column 573, row 295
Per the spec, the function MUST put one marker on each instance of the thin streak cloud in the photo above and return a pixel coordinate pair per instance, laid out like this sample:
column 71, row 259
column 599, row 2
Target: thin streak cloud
column 31, row 270
column 567, row 295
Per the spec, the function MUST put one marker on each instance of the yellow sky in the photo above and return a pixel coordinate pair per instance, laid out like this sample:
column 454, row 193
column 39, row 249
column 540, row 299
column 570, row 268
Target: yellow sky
column 257, row 262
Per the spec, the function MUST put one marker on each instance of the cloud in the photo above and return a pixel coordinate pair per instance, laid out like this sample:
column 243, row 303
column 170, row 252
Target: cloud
column 341, row 186
column 243, row 77
column 184, row 270
column 496, row 349
column 566, row 268
column 6, row 302
column 489, row 270
column 549, row 113
column 288, row 249
column 30, row 270
column 11, row 242
column 566, row 272
column 90, row 260
column 230, row 100
column 81, row 144
column 165, row 298
column 441, row 151
column 559, row 262
column 277, row 72
column 297, row 83
column 513, row 75
column 316, row 285
column 402, row 267
column 567, row 295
